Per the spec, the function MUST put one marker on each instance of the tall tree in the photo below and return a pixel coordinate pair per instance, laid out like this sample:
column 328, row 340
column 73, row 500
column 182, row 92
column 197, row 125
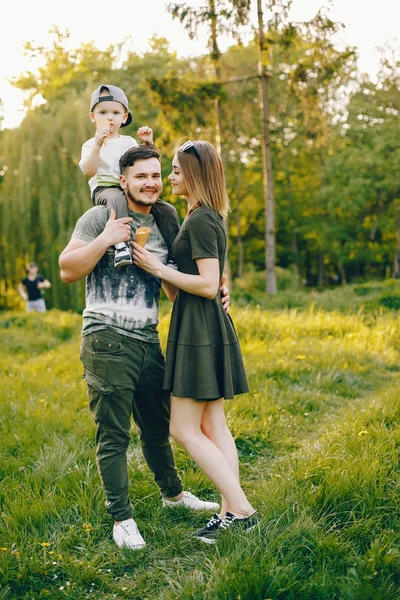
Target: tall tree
column 220, row 16
column 269, row 203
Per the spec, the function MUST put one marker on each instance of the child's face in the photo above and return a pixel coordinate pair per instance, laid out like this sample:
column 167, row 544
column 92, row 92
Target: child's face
column 111, row 110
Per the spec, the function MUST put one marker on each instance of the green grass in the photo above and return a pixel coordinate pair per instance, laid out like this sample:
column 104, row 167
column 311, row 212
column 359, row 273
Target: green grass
column 318, row 437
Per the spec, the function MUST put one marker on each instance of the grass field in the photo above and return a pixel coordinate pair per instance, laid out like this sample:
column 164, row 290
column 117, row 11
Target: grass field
column 318, row 437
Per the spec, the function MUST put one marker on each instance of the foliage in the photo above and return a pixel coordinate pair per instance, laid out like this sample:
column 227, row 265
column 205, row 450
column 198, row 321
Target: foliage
column 318, row 437
column 335, row 151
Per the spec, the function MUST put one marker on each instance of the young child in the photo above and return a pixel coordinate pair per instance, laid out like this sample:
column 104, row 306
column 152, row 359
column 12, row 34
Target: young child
column 109, row 111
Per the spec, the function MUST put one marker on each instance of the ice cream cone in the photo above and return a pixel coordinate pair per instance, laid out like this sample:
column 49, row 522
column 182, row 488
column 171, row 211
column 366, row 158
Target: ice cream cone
column 103, row 123
column 142, row 235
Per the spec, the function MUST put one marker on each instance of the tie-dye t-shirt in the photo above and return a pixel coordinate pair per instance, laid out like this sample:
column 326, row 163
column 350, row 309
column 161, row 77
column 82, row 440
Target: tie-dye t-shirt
column 124, row 298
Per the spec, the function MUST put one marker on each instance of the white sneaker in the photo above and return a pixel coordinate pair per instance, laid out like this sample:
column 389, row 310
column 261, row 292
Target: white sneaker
column 127, row 535
column 192, row 502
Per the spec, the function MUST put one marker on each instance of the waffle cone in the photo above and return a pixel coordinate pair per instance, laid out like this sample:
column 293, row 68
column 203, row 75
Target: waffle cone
column 142, row 235
column 103, row 123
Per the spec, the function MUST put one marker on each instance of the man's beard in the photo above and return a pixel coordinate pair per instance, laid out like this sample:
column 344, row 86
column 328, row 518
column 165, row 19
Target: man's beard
column 132, row 198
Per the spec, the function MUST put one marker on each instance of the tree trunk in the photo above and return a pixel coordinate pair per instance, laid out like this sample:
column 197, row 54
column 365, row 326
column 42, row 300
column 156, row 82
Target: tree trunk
column 215, row 57
column 321, row 270
column 239, row 244
column 342, row 272
column 396, row 266
column 270, row 283
column 295, row 245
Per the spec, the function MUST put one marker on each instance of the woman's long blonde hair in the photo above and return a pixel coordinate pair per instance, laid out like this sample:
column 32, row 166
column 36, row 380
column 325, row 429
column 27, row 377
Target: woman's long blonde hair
column 204, row 176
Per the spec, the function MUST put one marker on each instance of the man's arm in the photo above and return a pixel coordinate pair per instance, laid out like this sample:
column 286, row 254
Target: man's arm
column 224, row 294
column 79, row 258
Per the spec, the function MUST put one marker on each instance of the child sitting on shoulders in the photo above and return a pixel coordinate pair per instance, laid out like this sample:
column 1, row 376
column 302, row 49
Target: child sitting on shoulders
column 109, row 111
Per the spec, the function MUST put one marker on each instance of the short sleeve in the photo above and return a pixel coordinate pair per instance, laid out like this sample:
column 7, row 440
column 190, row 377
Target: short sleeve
column 203, row 233
column 91, row 224
column 132, row 141
column 86, row 150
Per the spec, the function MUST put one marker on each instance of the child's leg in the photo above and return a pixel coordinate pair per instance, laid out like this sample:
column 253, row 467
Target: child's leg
column 114, row 197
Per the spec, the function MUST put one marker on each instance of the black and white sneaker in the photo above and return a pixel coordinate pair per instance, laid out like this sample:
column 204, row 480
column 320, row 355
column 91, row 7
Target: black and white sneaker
column 233, row 523
column 122, row 255
column 208, row 534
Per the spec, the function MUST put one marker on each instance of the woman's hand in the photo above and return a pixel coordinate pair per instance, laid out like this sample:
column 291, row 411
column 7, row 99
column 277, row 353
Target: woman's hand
column 146, row 260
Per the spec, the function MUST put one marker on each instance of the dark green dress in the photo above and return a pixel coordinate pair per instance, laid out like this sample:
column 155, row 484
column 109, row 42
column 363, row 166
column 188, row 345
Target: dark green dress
column 203, row 360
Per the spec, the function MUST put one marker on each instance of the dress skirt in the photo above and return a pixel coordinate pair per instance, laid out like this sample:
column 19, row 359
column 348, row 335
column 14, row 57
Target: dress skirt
column 203, row 360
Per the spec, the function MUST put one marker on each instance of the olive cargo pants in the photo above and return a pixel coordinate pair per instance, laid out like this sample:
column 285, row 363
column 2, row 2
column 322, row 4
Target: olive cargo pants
column 124, row 378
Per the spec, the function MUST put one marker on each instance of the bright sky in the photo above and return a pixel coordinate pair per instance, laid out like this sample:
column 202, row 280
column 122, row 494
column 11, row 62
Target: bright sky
column 368, row 25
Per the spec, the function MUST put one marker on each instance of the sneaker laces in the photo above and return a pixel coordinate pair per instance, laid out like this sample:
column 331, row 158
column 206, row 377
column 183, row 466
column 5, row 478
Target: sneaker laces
column 128, row 528
column 227, row 521
column 213, row 521
column 189, row 495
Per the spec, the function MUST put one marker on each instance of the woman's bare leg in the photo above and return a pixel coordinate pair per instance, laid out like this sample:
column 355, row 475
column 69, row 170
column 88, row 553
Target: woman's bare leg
column 214, row 426
column 185, row 428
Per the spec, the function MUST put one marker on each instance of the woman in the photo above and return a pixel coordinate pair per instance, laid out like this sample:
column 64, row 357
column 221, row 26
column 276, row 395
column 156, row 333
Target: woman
column 33, row 284
column 204, row 363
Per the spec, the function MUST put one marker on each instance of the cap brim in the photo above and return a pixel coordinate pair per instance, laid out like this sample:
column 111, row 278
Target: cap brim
column 128, row 121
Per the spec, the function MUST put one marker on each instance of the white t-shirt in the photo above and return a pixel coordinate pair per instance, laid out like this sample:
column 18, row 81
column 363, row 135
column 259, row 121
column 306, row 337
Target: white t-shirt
column 108, row 172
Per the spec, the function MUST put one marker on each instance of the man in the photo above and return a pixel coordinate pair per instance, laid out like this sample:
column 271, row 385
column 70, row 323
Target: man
column 121, row 355
column 33, row 284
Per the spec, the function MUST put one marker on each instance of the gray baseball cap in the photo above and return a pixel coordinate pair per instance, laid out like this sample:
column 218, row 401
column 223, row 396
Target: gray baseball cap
column 116, row 95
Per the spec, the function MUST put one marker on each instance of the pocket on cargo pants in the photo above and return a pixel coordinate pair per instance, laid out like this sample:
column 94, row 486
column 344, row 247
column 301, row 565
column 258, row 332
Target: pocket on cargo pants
column 99, row 392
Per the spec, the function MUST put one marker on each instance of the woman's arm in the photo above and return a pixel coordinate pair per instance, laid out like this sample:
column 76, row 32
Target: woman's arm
column 45, row 284
column 206, row 284
column 22, row 291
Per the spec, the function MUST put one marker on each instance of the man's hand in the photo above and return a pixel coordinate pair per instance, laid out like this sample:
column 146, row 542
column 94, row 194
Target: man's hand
column 224, row 293
column 145, row 134
column 116, row 230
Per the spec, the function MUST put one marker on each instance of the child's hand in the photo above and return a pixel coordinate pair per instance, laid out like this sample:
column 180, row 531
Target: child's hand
column 145, row 134
column 102, row 135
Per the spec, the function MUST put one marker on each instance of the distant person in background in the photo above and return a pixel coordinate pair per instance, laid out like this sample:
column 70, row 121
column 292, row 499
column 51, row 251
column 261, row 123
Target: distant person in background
column 30, row 289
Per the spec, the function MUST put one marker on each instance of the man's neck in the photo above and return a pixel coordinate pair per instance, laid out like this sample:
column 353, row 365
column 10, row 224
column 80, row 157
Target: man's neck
column 139, row 208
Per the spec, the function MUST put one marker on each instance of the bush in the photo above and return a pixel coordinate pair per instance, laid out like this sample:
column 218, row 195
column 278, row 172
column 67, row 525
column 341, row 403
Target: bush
column 254, row 281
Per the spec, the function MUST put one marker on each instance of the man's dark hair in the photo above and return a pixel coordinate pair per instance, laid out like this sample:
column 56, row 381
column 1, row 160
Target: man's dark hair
column 142, row 152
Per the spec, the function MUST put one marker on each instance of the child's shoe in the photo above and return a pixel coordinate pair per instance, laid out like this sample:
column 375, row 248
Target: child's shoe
column 122, row 255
